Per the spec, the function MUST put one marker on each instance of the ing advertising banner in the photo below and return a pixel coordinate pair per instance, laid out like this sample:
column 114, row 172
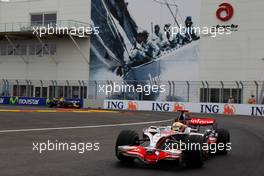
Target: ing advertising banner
column 145, row 41
column 204, row 108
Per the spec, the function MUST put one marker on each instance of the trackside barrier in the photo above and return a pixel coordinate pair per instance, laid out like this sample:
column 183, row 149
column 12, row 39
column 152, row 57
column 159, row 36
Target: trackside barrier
column 210, row 108
column 93, row 103
column 26, row 101
column 23, row 101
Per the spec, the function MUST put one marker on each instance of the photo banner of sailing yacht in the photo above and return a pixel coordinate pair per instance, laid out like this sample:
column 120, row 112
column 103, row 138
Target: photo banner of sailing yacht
column 137, row 43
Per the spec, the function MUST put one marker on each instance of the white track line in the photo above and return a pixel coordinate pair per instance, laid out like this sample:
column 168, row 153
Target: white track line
column 84, row 127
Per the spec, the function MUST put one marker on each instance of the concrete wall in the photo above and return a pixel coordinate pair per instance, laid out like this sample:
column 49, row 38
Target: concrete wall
column 71, row 64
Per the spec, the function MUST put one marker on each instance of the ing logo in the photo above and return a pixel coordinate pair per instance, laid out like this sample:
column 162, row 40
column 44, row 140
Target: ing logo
column 133, row 106
column 225, row 12
column 229, row 109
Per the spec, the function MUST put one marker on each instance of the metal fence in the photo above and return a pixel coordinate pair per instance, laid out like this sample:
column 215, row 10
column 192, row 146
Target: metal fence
column 29, row 26
column 186, row 91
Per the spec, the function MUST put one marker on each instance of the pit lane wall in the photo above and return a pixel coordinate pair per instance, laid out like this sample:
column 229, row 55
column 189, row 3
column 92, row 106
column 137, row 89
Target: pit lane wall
column 210, row 108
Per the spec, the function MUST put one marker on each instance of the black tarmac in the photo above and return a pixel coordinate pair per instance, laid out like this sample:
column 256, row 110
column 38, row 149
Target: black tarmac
column 19, row 159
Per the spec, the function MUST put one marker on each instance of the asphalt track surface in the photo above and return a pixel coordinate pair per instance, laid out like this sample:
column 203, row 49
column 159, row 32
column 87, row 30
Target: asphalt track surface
column 18, row 130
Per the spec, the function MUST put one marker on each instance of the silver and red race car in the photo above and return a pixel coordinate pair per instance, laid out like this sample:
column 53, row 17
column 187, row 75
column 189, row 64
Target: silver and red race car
column 190, row 143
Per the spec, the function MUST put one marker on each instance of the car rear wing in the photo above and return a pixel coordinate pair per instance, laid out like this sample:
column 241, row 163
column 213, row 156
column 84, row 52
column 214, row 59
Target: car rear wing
column 202, row 121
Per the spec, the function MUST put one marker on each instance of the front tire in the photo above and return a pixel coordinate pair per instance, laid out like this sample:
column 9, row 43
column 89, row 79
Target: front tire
column 126, row 137
column 193, row 157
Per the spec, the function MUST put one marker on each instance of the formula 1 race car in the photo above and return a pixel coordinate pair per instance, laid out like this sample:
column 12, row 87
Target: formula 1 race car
column 190, row 146
column 57, row 103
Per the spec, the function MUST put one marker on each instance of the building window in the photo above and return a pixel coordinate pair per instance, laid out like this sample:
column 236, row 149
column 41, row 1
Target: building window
column 218, row 95
column 235, row 93
column 75, row 92
column 23, row 90
column 39, row 50
column 43, row 19
column 41, row 92
column 46, row 49
column 50, row 19
column 53, row 49
column 23, row 50
column 18, row 50
column 10, row 50
column 3, row 50
column 68, row 92
column 31, row 49
column 37, row 19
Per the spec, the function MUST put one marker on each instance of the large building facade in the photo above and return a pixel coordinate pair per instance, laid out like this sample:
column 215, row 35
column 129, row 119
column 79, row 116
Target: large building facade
column 64, row 59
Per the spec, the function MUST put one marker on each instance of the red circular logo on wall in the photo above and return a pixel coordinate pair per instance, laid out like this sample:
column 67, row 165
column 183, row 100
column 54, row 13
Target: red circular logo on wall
column 225, row 12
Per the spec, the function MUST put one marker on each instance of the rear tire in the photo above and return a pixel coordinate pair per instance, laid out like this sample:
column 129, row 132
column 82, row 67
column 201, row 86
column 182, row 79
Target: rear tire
column 215, row 125
column 126, row 137
column 223, row 138
column 193, row 157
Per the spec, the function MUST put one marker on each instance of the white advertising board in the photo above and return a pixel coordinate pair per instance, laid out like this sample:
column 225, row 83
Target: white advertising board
column 211, row 108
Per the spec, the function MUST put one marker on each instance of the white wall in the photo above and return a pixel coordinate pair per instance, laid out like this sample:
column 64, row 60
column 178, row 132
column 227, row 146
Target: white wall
column 66, row 10
column 239, row 56
column 71, row 64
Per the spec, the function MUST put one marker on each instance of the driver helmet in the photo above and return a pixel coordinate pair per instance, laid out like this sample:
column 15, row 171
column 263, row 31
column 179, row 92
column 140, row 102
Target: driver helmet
column 177, row 126
column 62, row 99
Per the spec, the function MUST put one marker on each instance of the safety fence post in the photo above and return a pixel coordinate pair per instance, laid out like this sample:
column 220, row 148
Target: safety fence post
column 203, row 92
column 4, row 88
column 27, row 90
column 238, row 92
column 221, row 99
column 67, row 91
column 208, row 97
column 188, row 91
column 257, row 91
column 83, row 90
column 17, row 89
column 173, row 89
column 170, row 87
column 41, row 89
column 8, row 88
column 242, row 91
column 80, row 89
